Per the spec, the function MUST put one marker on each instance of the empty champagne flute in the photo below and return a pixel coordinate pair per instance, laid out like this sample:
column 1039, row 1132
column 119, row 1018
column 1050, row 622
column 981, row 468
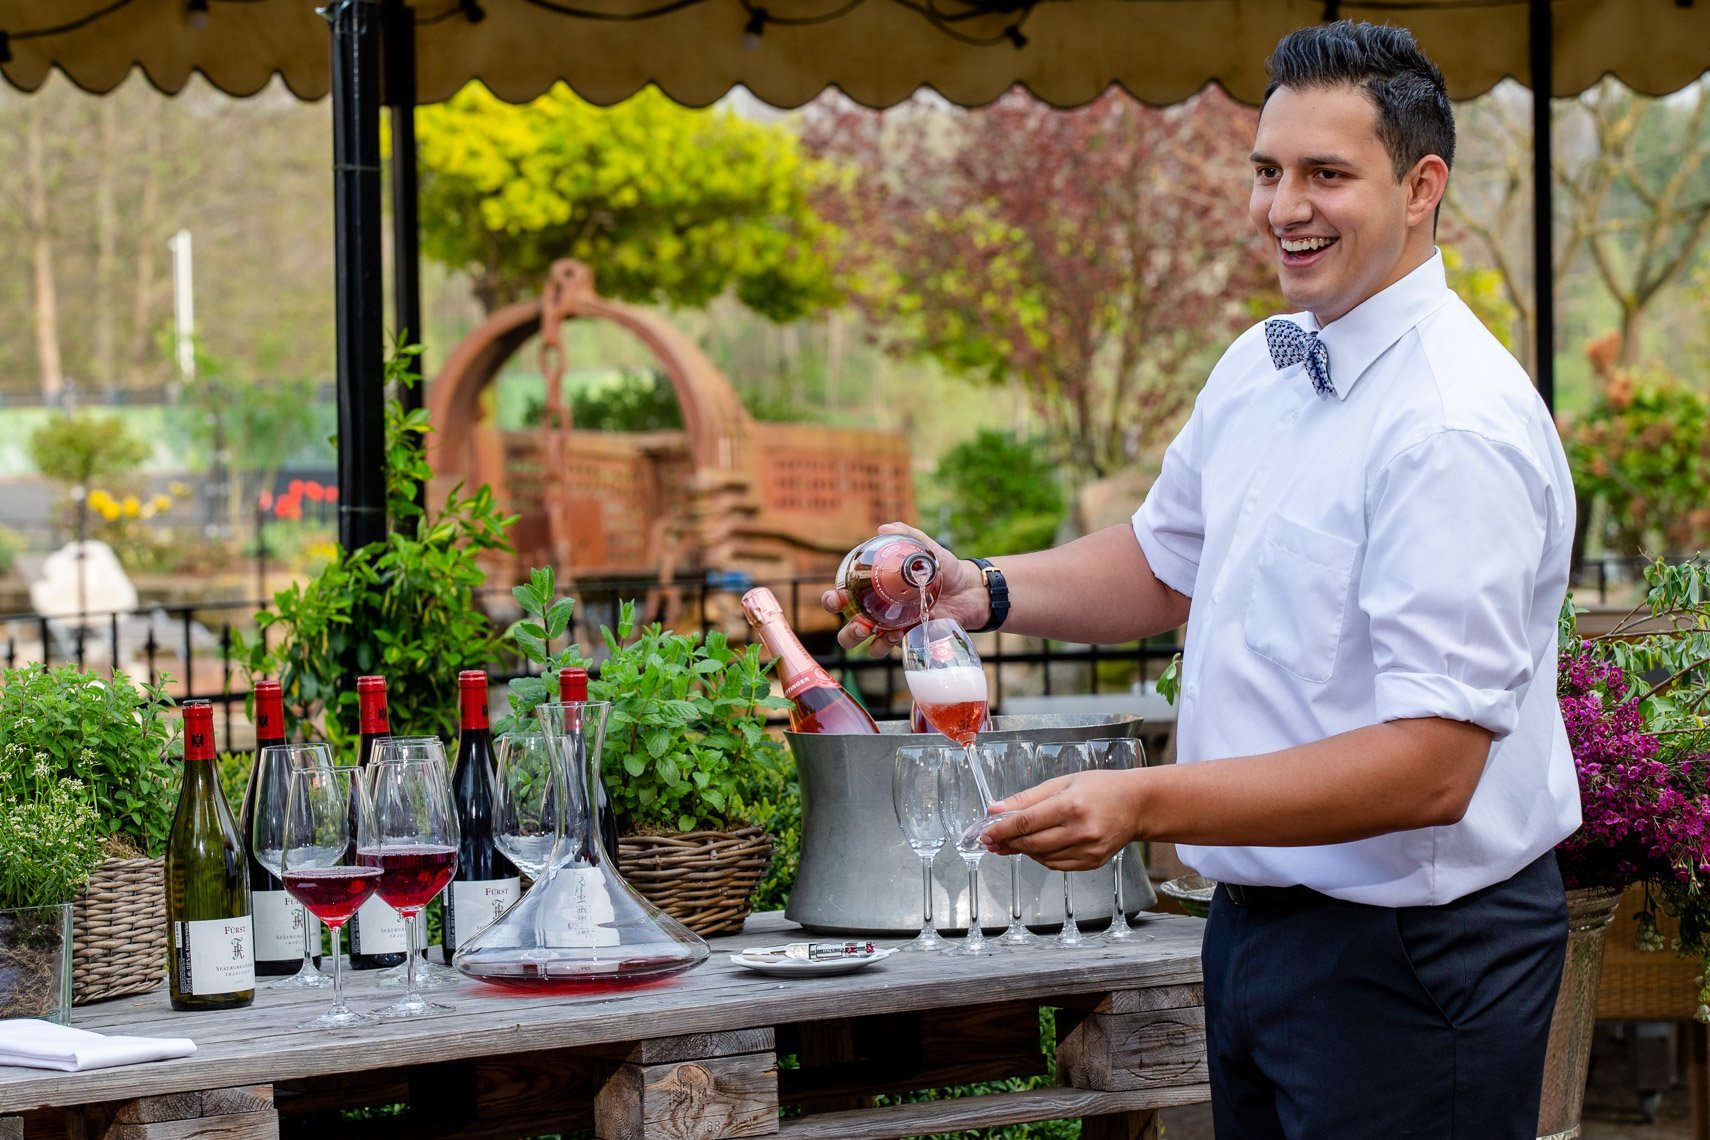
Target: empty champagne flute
column 412, row 838
column 1117, row 755
column 1012, row 766
column 267, row 840
column 1065, row 760
column 949, row 689
column 914, row 793
column 325, row 824
column 963, row 793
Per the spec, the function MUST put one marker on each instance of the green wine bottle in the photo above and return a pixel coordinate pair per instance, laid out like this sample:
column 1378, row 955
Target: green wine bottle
column 210, row 942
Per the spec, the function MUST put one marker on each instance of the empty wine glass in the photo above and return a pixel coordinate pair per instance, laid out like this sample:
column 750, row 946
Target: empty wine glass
column 1012, row 766
column 1118, row 755
column 949, row 689
column 267, row 840
column 914, row 792
column 962, row 799
column 1066, row 760
column 325, row 824
column 528, row 801
column 412, row 838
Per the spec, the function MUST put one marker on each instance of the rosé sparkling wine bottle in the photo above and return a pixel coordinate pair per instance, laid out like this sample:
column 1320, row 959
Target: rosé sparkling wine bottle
column 818, row 703
column 889, row 579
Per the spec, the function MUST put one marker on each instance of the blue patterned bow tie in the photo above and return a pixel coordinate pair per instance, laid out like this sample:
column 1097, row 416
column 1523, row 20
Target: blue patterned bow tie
column 1291, row 344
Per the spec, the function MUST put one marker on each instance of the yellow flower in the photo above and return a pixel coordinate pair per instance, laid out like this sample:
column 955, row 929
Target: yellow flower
column 161, row 502
column 100, row 501
column 109, row 510
column 133, row 507
column 178, row 488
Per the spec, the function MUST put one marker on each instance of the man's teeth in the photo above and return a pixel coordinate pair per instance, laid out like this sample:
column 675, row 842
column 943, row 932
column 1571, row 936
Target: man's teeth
column 1305, row 245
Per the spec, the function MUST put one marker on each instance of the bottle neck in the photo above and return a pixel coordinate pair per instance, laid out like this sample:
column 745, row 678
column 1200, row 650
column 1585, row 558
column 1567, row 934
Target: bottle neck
column 372, row 716
column 796, row 666
column 474, row 710
column 269, row 717
column 198, row 738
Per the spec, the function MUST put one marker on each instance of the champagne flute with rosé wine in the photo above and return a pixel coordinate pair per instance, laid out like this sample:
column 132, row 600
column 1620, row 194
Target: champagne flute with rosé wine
column 949, row 688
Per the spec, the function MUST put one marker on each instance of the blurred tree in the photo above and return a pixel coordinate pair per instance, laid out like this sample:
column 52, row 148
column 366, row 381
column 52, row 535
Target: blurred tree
column 1097, row 257
column 667, row 204
column 77, row 449
column 1002, row 495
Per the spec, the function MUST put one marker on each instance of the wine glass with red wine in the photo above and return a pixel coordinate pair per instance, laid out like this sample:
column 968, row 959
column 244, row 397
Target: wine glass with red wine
column 412, row 838
column 267, row 837
column 949, row 688
column 323, row 827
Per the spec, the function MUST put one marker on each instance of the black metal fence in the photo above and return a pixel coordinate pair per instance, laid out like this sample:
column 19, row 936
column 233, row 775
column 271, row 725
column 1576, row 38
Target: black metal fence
column 195, row 644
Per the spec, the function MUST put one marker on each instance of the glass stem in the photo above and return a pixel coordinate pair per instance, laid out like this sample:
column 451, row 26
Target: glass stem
column 337, row 971
column 926, row 891
column 1068, row 905
column 309, row 946
column 1121, row 915
column 1014, row 890
column 974, row 931
column 410, row 944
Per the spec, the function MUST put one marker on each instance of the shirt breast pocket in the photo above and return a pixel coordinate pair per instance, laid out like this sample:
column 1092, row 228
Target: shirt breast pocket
column 1301, row 582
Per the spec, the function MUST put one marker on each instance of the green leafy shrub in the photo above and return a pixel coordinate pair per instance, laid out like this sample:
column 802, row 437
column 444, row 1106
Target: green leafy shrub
column 112, row 735
column 631, row 399
column 1003, row 495
column 1641, row 453
column 77, row 449
column 686, row 742
column 403, row 607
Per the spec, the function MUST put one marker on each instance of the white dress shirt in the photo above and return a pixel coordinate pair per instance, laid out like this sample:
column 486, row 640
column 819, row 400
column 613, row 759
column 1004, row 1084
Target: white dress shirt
column 1399, row 549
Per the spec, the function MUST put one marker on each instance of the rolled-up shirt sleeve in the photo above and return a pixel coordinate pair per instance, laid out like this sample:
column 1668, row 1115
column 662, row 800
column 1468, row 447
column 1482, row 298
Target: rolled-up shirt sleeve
column 1459, row 524
column 1170, row 523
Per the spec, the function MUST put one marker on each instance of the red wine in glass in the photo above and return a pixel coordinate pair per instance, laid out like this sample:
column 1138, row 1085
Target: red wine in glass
column 333, row 894
column 410, row 876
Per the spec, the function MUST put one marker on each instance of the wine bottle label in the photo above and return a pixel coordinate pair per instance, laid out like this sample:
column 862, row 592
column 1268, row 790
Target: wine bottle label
column 216, row 956
column 815, row 678
column 377, row 929
column 586, row 915
column 278, row 926
column 470, row 907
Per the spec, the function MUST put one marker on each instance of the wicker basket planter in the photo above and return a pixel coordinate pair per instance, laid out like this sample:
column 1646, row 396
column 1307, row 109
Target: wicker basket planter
column 703, row 879
column 119, row 931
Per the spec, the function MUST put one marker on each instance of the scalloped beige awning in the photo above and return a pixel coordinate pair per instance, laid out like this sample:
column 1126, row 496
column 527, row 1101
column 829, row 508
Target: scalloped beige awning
column 879, row 52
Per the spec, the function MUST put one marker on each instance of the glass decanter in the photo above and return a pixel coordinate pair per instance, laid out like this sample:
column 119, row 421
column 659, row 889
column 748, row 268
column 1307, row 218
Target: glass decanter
column 580, row 926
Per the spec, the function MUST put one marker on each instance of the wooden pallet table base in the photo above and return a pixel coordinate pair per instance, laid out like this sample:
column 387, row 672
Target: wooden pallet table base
column 696, row 1058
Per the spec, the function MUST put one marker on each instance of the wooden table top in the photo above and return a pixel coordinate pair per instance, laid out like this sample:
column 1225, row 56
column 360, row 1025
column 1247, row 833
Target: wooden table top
column 259, row 1044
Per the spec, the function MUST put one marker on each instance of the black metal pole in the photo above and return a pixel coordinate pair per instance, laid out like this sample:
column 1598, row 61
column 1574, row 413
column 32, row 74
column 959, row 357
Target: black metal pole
column 1542, row 36
column 400, row 64
column 356, row 207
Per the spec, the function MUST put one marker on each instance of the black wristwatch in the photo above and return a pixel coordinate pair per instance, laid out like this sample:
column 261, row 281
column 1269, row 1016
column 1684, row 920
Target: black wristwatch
column 998, row 591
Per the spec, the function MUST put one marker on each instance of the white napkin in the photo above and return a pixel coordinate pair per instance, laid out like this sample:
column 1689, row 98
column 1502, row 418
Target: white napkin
column 44, row 1045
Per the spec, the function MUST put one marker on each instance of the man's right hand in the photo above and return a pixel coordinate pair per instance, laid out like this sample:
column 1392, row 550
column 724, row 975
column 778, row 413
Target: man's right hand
column 961, row 595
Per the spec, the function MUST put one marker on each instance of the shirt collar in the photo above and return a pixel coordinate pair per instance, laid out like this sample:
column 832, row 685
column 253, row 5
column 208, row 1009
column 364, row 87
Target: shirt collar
column 1367, row 330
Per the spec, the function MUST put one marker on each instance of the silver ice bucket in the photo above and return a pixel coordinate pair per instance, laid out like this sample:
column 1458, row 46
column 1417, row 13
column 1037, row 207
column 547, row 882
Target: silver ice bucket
column 857, row 875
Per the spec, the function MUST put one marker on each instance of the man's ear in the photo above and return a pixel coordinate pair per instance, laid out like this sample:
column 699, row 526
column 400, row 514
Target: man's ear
column 1425, row 184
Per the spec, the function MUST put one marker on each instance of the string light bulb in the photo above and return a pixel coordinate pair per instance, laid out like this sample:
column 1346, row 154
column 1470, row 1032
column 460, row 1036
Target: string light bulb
column 754, row 29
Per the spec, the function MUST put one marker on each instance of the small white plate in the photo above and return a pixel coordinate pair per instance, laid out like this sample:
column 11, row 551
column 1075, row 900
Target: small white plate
column 797, row 967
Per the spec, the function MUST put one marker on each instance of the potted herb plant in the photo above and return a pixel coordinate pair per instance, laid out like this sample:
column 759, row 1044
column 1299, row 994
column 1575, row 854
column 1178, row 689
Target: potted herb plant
column 688, row 762
column 109, row 737
column 50, row 845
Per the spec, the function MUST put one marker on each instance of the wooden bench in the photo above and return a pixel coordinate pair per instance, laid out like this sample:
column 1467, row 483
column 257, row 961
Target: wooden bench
column 716, row 1053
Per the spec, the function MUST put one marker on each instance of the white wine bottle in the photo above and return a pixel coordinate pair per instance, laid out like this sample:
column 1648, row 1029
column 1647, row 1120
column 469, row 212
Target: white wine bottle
column 210, row 942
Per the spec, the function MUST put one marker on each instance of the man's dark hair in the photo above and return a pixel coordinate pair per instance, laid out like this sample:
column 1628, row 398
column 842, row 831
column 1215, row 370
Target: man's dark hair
column 1414, row 116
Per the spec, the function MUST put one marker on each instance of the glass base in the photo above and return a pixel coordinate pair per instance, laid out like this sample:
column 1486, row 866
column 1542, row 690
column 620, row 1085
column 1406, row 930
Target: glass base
column 308, row 978
column 982, row 948
column 337, row 1019
column 1070, row 937
column 928, row 940
column 1018, row 935
column 413, row 1006
column 429, row 976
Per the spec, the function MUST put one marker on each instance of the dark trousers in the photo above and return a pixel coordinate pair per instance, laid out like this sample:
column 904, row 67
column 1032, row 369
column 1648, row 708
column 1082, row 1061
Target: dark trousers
column 1328, row 1020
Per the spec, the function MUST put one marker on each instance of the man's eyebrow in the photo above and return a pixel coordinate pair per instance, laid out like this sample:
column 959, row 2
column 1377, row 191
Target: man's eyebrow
column 1259, row 159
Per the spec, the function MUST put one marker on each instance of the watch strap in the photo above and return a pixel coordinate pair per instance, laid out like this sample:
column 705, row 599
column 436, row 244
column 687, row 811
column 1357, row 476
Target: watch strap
column 997, row 591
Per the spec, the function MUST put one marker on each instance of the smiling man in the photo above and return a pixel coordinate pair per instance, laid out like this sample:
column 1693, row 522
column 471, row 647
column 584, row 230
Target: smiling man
column 1366, row 525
